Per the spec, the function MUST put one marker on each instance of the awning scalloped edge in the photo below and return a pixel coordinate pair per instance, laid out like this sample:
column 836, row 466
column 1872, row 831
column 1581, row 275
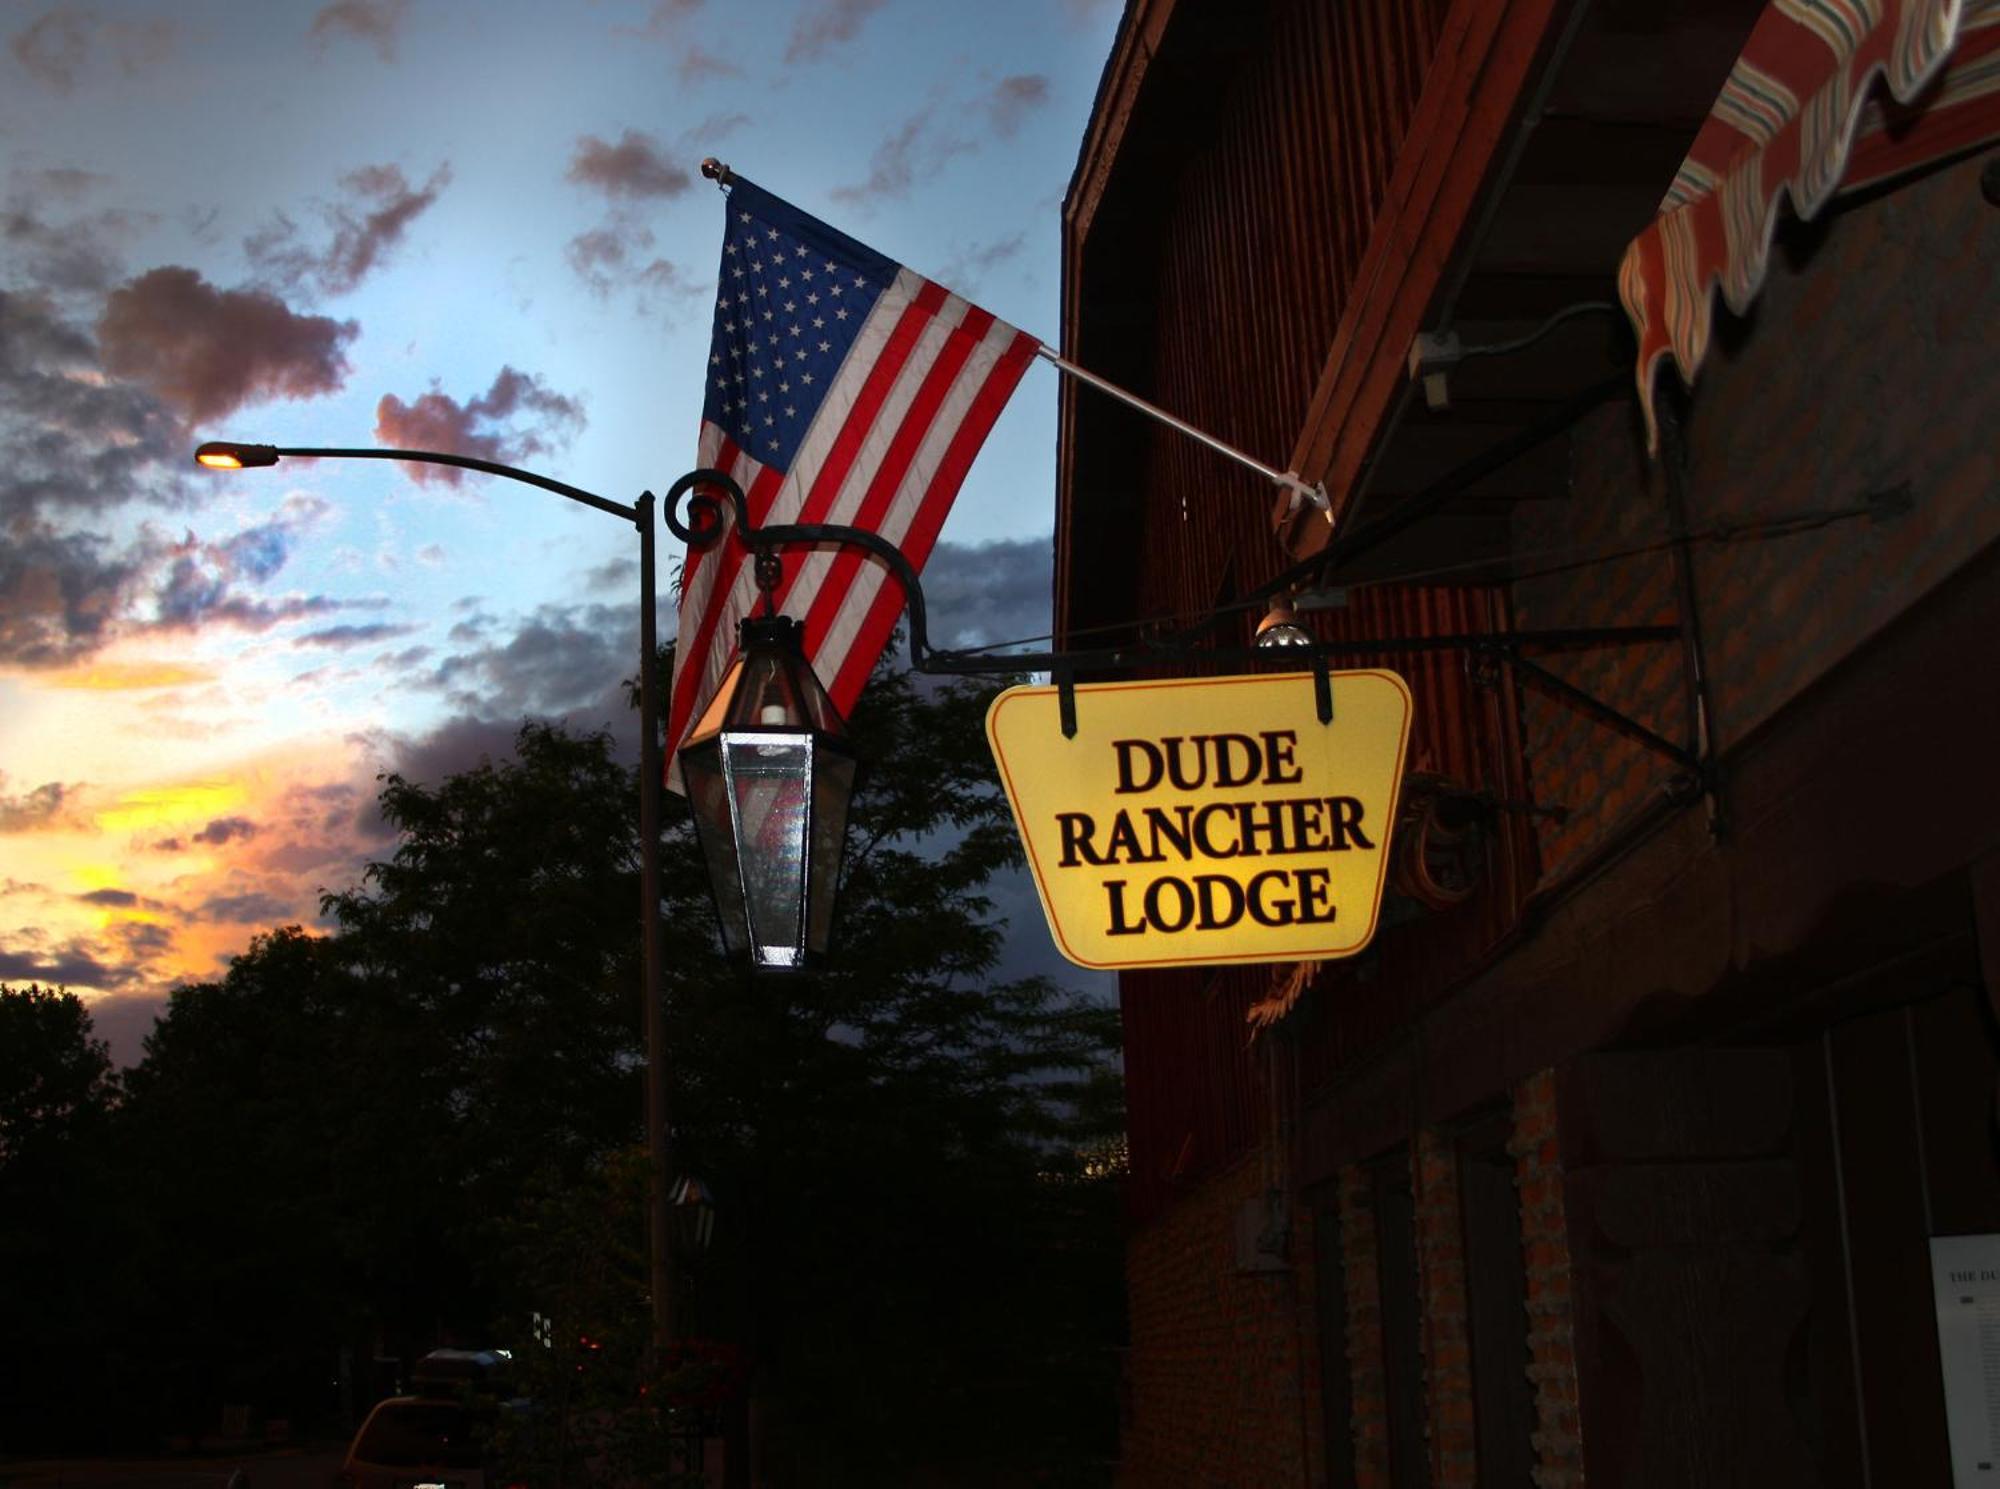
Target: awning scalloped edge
column 1717, row 226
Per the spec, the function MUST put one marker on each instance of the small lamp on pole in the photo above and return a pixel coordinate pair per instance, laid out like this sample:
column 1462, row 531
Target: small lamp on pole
column 769, row 775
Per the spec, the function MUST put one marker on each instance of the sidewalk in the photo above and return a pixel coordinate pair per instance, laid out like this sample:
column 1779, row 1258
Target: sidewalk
column 310, row 1467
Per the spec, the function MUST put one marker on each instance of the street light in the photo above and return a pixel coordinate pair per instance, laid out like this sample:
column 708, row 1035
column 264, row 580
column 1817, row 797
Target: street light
column 769, row 775
column 230, row 455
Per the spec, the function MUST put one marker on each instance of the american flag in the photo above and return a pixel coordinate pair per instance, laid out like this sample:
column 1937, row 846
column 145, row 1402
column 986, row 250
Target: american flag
column 845, row 388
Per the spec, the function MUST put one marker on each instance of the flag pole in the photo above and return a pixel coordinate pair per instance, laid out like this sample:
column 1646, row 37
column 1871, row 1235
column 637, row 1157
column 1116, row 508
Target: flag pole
column 723, row 177
column 1299, row 489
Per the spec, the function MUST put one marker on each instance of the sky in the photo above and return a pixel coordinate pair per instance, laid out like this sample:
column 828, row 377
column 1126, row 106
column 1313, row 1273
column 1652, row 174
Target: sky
column 447, row 224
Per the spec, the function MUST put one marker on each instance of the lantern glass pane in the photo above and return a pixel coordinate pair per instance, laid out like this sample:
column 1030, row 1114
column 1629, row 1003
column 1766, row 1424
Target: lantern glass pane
column 708, row 797
column 833, row 787
column 768, row 777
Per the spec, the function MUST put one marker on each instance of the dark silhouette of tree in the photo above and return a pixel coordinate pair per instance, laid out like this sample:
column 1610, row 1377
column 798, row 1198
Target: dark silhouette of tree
column 56, row 1091
column 55, row 1075
column 423, row 1127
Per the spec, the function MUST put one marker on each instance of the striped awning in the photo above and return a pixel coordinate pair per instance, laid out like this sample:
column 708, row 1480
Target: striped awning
column 1802, row 117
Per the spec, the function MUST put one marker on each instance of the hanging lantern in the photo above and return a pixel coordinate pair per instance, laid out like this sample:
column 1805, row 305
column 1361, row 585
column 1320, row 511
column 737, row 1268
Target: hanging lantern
column 769, row 775
column 693, row 1205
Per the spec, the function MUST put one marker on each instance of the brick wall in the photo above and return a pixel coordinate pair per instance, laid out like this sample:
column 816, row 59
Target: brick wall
column 1447, row 1347
column 1222, row 1374
column 1369, row 1428
column 1863, row 367
column 1224, row 1368
column 1558, row 1436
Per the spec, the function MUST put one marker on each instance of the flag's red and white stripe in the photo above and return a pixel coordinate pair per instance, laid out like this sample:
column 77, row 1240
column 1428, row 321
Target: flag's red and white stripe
column 913, row 400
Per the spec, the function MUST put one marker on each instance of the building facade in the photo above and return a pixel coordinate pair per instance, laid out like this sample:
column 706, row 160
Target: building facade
column 1618, row 1158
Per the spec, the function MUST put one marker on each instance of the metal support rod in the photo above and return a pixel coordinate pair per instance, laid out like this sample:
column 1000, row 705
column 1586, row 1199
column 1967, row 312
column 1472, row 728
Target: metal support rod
column 1694, row 656
column 1605, row 714
column 1290, row 479
column 1846, row 1252
column 659, row 1140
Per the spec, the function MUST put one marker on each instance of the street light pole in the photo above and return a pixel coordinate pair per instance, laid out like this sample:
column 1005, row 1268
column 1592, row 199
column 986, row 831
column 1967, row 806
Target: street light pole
column 658, row 1138
column 223, row 455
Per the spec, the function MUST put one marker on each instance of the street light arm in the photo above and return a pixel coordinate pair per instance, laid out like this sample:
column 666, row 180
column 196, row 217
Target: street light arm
column 253, row 455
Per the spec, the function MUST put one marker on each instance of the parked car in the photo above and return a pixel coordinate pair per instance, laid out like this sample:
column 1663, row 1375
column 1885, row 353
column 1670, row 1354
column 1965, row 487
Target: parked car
column 411, row 1442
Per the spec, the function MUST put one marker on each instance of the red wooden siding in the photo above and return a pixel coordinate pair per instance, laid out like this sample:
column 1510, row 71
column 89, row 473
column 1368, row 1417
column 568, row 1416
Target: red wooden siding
column 1238, row 282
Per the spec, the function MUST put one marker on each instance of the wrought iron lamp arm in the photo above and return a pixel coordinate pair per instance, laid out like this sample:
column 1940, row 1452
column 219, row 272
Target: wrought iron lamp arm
column 706, row 528
column 708, row 524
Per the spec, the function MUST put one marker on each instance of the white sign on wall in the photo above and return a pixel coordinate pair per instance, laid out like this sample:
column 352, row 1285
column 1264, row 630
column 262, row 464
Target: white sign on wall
column 1965, row 1281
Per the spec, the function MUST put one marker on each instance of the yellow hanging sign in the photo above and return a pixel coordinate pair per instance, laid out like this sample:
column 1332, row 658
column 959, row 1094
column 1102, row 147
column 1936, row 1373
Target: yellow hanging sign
column 1205, row 820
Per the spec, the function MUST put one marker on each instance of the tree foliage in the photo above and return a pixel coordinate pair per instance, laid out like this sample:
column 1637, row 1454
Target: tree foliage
column 56, row 1090
column 421, row 1126
column 55, row 1075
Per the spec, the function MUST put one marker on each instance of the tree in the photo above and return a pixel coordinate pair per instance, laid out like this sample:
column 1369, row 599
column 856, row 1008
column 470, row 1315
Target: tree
column 54, row 1074
column 284, row 1195
column 56, row 1095
column 890, row 1141
column 418, row 1128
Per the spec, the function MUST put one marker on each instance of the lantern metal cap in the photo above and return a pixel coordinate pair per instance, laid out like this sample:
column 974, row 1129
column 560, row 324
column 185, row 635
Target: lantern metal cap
column 770, row 686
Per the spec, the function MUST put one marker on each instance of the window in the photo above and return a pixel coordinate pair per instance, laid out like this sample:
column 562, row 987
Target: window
column 1402, row 1318
column 1496, row 1291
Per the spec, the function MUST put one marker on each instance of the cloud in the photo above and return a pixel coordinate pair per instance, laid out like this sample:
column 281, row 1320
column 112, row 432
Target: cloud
column 50, row 807
column 199, row 589
column 226, row 830
column 664, row 19
column 635, row 167
column 824, row 24
column 74, row 257
column 144, row 940
column 436, row 422
column 70, row 438
column 715, row 127
column 75, row 962
column 1012, row 99
column 128, row 677
column 618, row 573
column 615, row 256
column 923, row 145
column 381, row 206
column 253, row 907
column 967, row 267
column 976, row 595
column 67, row 181
column 57, row 49
column 566, row 664
column 339, row 638
column 209, row 351
column 562, row 659
column 64, row 595
column 60, row 594
column 915, row 152
column 455, row 746
column 375, row 22
column 116, row 899
column 697, row 66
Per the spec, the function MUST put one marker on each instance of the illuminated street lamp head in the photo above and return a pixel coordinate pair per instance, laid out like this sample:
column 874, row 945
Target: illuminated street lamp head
column 769, row 772
column 224, row 455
